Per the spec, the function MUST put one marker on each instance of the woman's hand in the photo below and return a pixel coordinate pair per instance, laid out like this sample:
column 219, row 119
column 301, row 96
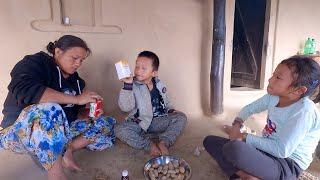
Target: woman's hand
column 84, row 114
column 99, row 114
column 128, row 80
column 87, row 97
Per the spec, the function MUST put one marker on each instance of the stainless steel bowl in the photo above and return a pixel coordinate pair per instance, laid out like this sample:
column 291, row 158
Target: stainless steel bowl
column 163, row 160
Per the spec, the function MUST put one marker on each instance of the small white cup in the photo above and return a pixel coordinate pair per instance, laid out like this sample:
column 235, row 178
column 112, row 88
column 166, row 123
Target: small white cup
column 66, row 21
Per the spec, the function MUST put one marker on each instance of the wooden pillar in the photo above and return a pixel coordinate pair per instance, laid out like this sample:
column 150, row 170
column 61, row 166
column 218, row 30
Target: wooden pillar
column 218, row 56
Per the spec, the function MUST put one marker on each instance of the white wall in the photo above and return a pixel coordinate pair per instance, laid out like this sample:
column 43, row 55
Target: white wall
column 297, row 20
column 172, row 29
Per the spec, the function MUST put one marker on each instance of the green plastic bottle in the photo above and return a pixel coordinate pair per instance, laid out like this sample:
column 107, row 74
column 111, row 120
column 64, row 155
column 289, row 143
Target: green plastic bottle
column 307, row 46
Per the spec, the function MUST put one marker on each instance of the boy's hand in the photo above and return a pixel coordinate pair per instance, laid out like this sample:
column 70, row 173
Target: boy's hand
column 128, row 80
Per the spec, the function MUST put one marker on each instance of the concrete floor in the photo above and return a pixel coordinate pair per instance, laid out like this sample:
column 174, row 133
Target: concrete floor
column 110, row 163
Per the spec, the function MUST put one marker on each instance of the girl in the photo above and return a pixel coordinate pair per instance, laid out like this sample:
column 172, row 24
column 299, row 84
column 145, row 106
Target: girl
column 290, row 136
column 44, row 113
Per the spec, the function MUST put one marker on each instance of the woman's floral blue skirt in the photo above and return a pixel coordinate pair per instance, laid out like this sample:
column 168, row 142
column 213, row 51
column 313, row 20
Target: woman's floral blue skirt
column 43, row 130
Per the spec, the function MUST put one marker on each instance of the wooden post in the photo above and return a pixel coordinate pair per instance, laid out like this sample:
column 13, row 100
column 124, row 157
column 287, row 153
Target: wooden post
column 218, row 56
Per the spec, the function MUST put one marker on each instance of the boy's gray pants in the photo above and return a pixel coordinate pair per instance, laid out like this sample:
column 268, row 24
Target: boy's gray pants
column 167, row 128
column 233, row 156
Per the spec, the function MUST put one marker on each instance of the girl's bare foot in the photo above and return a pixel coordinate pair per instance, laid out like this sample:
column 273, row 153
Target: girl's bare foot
column 68, row 162
column 245, row 176
column 154, row 150
column 163, row 148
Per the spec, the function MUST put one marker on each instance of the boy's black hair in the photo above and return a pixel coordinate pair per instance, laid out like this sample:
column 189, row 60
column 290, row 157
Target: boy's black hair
column 306, row 72
column 66, row 42
column 153, row 57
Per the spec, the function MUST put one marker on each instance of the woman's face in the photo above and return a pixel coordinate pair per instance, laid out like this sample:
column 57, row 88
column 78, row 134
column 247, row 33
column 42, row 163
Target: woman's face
column 70, row 60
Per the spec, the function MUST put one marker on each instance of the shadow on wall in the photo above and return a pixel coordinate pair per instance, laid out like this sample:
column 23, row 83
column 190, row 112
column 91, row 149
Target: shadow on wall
column 100, row 76
column 206, row 41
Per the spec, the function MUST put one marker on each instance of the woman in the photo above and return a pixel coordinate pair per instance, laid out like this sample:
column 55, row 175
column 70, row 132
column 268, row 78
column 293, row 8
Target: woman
column 44, row 112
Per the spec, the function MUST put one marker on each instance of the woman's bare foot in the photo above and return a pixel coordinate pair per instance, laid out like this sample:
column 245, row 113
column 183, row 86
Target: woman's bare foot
column 154, row 150
column 163, row 148
column 56, row 171
column 68, row 162
column 57, row 176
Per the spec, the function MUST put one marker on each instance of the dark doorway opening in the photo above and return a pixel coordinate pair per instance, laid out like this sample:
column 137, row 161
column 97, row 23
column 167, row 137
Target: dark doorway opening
column 248, row 43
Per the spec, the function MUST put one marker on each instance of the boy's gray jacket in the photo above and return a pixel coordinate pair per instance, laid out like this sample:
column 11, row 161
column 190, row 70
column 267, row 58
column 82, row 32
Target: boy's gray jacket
column 139, row 98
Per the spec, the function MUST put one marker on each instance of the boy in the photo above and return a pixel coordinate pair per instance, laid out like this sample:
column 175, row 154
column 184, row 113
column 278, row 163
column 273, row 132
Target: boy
column 144, row 96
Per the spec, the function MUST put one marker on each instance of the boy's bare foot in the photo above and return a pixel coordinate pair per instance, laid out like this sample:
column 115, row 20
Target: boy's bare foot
column 68, row 162
column 154, row 150
column 163, row 148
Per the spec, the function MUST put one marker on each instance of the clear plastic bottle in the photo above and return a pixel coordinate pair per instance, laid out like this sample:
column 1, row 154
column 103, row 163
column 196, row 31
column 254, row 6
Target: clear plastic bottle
column 313, row 46
column 125, row 175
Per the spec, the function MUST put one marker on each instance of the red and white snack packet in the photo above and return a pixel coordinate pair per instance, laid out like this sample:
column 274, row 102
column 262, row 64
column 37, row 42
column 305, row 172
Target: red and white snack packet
column 95, row 108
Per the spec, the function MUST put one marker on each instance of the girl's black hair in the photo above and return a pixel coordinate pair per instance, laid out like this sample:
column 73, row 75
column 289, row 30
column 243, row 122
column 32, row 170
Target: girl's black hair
column 66, row 42
column 306, row 72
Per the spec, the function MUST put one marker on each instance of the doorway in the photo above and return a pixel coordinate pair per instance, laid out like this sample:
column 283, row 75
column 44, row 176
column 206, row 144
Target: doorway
column 249, row 43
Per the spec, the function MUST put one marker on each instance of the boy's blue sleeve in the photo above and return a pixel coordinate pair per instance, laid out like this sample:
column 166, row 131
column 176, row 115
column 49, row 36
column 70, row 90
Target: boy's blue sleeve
column 257, row 106
column 286, row 138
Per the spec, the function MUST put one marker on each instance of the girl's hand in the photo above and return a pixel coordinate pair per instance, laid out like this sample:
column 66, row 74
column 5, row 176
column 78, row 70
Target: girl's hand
column 237, row 123
column 227, row 129
column 170, row 111
column 234, row 132
column 87, row 97
column 128, row 80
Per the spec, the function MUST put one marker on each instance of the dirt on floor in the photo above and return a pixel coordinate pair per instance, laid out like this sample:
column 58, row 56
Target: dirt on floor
column 108, row 164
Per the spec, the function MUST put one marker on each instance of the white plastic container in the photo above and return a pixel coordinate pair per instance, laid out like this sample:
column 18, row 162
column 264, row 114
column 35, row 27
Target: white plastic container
column 123, row 69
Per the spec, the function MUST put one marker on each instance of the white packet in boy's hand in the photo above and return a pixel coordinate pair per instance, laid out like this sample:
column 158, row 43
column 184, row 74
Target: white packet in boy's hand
column 123, row 69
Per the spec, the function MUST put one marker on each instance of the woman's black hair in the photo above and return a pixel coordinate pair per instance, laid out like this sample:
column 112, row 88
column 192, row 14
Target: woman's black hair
column 66, row 42
column 306, row 72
